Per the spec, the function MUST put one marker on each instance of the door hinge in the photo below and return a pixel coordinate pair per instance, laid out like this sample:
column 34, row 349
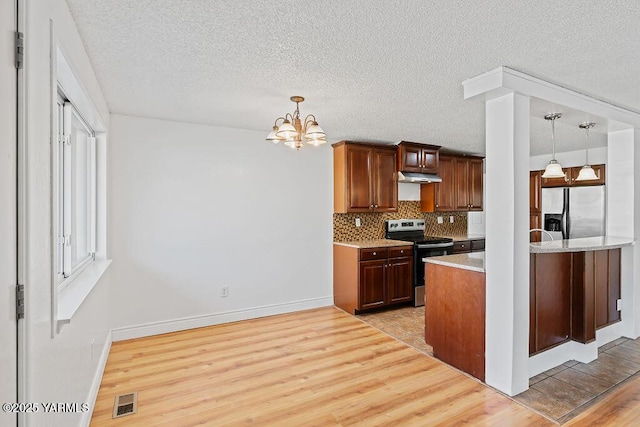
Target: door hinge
column 19, row 302
column 19, row 37
column 618, row 305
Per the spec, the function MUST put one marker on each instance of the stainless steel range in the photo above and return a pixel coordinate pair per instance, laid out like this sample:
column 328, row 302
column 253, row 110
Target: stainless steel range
column 412, row 230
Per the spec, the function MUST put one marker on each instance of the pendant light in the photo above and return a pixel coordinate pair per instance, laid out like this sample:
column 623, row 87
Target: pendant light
column 553, row 169
column 586, row 173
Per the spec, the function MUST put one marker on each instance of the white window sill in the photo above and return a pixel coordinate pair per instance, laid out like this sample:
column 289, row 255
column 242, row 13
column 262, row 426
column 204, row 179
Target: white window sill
column 72, row 296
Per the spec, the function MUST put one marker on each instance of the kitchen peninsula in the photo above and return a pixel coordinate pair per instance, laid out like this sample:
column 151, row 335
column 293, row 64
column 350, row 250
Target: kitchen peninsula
column 575, row 286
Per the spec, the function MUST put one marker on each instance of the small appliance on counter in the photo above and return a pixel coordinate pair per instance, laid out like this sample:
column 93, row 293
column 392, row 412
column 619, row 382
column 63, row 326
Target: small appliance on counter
column 412, row 230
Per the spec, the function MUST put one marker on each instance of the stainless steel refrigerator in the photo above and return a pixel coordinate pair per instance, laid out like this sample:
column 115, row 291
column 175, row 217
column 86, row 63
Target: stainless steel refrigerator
column 571, row 212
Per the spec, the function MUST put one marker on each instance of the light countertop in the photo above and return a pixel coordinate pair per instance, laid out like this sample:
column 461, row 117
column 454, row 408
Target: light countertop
column 581, row 244
column 376, row 243
column 473, row 261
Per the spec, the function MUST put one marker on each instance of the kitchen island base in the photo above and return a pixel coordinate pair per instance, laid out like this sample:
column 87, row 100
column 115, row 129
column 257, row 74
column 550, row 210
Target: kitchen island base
column 455, row 316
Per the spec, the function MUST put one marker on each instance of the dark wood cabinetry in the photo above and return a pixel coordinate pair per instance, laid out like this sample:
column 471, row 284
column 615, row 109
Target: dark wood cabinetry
column 465, row 246
column 366, row 279
column 535, row 204
column 468, row 183
column 421, row 158
column 571, row 295
column 460, row 189
column 365, row 178
column 550, row 304
column 571, row 176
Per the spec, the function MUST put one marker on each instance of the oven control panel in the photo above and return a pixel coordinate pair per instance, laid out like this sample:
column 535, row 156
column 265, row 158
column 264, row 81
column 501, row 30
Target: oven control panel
column 405, row 225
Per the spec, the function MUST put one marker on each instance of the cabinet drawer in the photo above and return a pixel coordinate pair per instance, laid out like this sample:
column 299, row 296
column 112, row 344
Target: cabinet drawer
column 477, row 245
column 373, row 253
column 400, row 251
column 461, row 246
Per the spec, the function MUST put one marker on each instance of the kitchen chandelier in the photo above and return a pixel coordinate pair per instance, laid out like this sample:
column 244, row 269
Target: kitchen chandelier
column 293, row 129
column 587, row 172
column 553, row 169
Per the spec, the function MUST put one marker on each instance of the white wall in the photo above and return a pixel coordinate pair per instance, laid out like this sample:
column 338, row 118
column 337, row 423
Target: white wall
column 194, row 208
column 597, row 156
column 60, row 368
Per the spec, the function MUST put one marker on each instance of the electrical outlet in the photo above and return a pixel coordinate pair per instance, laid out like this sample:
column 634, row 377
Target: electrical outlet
column 440, row 221
column 451, row 219
column 358, row 224
column 619, row 305
column 224, row 291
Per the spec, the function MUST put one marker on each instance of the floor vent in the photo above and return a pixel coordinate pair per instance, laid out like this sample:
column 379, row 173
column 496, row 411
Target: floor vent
column 126, row 404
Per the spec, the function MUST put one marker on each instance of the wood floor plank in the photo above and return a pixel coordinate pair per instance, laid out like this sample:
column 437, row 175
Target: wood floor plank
column 317, row 367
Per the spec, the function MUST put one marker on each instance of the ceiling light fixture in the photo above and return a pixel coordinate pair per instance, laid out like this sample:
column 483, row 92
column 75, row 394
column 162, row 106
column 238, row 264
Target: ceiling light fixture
column 292, row 129
column 586, row 173
column 553, row 169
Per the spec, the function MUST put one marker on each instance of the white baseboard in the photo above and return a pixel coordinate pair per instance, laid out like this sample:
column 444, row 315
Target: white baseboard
column 166, row 326
column 97, row 379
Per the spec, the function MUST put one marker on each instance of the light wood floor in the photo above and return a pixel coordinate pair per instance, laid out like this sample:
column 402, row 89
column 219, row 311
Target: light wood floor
column 318, row 367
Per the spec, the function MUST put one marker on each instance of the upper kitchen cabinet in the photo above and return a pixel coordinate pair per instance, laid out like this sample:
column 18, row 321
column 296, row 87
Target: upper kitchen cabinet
column 439, row 197
column 460, row 189
column 419, row 158
column 468, row 183
column 572, row 174
column 364, row 178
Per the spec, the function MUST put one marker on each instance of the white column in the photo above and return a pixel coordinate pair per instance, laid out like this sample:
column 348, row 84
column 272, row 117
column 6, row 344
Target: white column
column 507, row 243
column 623, row 218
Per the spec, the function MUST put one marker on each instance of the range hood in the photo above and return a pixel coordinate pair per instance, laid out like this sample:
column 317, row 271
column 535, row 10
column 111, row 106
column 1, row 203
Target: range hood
column 418, row 178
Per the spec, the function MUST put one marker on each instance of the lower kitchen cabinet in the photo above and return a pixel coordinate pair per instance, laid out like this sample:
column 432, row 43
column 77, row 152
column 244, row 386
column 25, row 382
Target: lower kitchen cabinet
column 465, row 246
column 370, row 278
column 572, row 294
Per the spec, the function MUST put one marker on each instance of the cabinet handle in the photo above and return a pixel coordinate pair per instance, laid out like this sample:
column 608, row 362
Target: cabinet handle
column 375, row 253
column 437, row 205
column 375, row 206
column 401, row 251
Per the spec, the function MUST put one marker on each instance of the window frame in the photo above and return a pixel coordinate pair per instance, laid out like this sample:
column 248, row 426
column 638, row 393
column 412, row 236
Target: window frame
column 64, row 204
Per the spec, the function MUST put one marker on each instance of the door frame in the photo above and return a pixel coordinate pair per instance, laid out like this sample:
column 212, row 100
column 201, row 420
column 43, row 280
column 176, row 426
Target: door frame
column 22, row 394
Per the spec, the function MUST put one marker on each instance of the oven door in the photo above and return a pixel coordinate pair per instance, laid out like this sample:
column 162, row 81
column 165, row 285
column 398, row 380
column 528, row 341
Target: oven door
column 423, row 251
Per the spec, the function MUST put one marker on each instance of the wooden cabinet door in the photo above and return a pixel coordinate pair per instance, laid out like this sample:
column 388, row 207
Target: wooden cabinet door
column 410, row 158
column 399, row 280
column 429, row 160
column 385, row 181
column 475, row 184
column 461, row 172
column 444, row 191
column 535, row 221
column 535, row 192
column 552, row 299
column 372, row 280
column 359, row 179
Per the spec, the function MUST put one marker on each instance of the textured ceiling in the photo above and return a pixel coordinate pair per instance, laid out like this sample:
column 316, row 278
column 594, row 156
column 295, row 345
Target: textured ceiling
column 369, row 70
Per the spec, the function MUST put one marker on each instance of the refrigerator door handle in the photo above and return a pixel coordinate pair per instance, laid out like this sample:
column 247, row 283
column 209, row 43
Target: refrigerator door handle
column 566, row 216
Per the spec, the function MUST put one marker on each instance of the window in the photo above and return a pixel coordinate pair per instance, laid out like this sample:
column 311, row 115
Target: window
column 76, row 192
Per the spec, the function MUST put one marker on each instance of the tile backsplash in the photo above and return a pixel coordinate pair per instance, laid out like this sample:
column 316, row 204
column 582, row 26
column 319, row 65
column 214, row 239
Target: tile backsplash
column 372, row 224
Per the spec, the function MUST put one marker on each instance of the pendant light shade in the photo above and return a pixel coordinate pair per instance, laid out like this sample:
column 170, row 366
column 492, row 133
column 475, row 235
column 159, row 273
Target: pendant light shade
column 586, row 173
column 553, row 169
